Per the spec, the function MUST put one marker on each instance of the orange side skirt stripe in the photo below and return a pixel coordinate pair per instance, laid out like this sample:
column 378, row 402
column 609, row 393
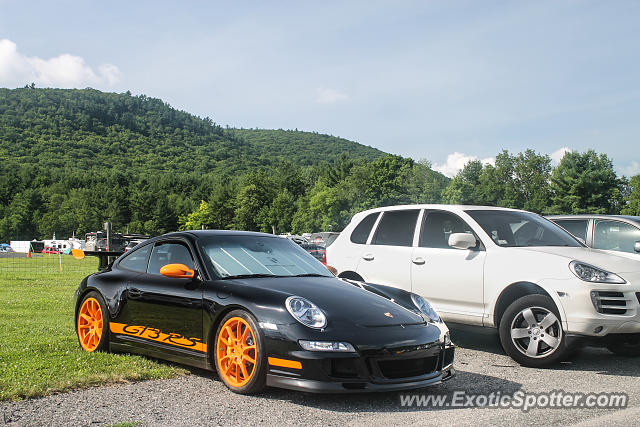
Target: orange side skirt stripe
column 156, row 335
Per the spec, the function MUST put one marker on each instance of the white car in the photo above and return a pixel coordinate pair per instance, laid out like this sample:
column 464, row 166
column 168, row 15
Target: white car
column 503, row 268
column 619, row 234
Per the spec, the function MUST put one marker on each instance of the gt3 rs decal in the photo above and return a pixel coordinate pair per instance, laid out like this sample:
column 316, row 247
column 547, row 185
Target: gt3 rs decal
column 159, row 336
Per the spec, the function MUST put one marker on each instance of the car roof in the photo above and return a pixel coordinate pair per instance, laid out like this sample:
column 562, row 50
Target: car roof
column 210, row 233
column 631, row 218
column 442, row 206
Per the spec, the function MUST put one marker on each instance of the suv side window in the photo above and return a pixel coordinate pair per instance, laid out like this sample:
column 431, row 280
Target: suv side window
column 137, row 260
column 396, row 228
column 437, row 226
column 615, row 236
column 360, row 234
column 169, row 253
column 577, row 227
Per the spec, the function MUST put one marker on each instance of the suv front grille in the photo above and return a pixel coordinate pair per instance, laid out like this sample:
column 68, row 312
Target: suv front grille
column 405, row 368
column 608, row 302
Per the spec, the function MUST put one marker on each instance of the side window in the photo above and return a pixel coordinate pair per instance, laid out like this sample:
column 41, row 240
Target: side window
column 577, row 227
column 615, row 236
column 137, row 260
column 396, row 228
column 437, row 226
column 360, row 234
column 169, row 253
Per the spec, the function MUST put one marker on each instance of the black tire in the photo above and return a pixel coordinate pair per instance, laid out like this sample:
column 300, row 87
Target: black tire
column 532, row 344
column 82, row 325
column 258, row 377
column 628, row 345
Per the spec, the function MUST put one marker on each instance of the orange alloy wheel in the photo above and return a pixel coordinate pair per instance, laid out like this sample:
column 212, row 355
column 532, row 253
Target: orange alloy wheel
column 236, row 352
column 90, row 324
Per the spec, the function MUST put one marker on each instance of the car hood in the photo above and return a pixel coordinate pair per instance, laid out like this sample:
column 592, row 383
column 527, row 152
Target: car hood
column 340, row 300
column 595, row 257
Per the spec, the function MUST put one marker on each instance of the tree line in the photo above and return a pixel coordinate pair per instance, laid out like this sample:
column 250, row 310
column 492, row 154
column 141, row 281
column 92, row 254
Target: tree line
column 71, row 160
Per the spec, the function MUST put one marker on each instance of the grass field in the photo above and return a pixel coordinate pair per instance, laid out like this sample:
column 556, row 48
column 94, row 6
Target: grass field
column 39, row 351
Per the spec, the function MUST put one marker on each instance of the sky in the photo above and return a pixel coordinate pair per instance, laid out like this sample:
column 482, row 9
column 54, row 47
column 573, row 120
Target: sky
column 446, row 81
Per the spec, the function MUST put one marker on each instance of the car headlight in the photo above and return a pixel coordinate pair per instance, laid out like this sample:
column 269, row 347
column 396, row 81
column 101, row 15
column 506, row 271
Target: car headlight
column 337, row 346
column 425, row 308
column 592, row 274
column 306, row 312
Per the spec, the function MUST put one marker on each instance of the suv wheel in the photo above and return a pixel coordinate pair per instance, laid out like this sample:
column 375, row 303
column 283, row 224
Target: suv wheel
column 531, row 332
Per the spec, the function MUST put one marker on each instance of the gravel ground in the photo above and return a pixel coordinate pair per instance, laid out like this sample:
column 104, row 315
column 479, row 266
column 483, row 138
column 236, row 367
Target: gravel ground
column 200, row 398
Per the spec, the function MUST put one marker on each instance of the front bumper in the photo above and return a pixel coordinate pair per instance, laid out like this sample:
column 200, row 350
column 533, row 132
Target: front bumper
column 419, row 358
column 315, row 386
column 598, row 310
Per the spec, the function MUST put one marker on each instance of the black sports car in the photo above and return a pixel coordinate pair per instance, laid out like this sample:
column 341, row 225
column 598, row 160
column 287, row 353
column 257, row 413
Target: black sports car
column 261, row 311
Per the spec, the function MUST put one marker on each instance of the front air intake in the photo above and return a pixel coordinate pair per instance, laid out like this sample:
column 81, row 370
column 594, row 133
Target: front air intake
column 608, row 302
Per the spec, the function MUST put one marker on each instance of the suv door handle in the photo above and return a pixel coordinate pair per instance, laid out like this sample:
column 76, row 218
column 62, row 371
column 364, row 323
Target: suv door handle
column 418, row 260
column 368, row 257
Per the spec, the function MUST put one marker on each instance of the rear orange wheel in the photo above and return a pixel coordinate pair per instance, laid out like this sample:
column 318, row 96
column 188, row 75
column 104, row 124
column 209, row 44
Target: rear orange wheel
column 239, row 354
column 91, row 323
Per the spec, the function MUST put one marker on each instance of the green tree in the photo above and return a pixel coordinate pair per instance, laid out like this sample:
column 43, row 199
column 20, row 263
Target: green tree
column 585, row 183
column 465, row 188
column 632, row 201
column 198, row 219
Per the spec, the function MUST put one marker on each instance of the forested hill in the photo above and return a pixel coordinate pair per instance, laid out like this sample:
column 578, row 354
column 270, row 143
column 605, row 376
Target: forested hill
column 88, row 129
column 72, row 159
column 307, row 148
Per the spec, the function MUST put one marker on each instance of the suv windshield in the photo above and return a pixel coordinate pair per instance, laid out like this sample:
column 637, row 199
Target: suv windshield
column 521, row 229
column 259, row 256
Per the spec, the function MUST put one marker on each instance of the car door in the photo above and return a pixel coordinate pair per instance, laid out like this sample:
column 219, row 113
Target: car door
column 386, row 259
column 615, row 236
column 450, row 279
column 166, row 312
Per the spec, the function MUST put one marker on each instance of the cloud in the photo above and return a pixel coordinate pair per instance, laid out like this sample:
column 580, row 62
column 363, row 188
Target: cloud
column 329, row 96
column 456, row 161
column 65, row 70
column 557, row 155
column 630, row 170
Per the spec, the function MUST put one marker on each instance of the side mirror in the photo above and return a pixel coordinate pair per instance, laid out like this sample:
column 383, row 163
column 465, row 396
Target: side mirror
column 178, row 271
column 462, row 240
column 636, row 247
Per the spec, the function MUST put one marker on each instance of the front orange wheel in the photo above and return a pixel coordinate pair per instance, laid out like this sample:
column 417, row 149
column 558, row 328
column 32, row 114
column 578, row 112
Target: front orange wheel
column 91, row 323
column 238, row 353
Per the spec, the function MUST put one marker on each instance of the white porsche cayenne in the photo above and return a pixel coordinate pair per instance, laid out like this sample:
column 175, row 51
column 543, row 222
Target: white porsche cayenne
column 513, row 270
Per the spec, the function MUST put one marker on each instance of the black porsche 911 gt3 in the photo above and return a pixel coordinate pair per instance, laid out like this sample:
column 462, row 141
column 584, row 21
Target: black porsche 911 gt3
column 261, row 311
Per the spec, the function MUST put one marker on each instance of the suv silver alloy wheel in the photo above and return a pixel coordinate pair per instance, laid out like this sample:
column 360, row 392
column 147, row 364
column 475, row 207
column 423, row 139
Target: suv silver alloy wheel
column 536, row 332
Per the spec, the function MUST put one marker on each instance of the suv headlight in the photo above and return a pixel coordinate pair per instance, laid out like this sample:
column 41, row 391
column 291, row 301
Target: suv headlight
column 306, row 312
column 425, row 308
column 592, row 274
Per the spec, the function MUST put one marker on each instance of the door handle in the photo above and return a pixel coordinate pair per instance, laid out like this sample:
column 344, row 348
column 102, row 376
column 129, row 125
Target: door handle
column 368, row 257
column 134, row 293
column 418, row 260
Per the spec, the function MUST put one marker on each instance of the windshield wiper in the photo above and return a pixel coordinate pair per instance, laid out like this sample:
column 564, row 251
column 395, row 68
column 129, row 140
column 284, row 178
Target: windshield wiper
column 311, row 275
column 245, row 276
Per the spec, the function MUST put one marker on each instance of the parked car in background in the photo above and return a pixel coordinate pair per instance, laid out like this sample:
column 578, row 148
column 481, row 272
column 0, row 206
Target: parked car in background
column 261, row 311
column 317, row 251
column 616, row 233
column 51, row 250
column 516, row 271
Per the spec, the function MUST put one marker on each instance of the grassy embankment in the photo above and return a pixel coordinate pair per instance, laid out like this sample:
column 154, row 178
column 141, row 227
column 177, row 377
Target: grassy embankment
column 39, row 351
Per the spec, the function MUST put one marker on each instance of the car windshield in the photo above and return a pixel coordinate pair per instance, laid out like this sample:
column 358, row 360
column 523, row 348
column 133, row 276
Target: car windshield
column 259, row 256
column 521, row 229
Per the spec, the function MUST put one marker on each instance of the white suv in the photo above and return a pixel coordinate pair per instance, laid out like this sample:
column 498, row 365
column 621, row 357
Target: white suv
column 542, row 288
